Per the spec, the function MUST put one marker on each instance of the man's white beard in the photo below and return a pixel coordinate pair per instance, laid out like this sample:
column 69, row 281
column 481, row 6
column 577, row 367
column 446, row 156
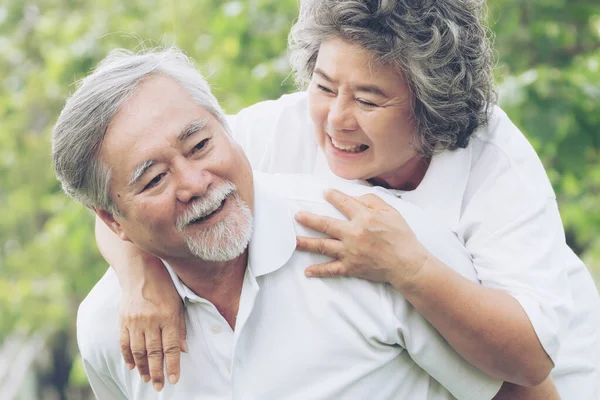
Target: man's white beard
column 228, row 238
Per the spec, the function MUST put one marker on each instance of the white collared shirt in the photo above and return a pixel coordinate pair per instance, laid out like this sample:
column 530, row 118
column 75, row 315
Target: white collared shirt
column 295, row 337
column 496, row 197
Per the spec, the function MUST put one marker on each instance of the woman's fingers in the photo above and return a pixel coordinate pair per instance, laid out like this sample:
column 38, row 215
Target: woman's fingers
column 329, row 226
column 326, row 246
column 126, row 347
column 171, row 349
column 182, row 331
column 326, row 270
column 154, row 348
column 348, row 205
column 373, row 201
column 138, row 350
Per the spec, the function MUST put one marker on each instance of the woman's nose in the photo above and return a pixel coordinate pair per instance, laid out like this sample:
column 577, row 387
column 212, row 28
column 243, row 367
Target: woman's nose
column 341, row 115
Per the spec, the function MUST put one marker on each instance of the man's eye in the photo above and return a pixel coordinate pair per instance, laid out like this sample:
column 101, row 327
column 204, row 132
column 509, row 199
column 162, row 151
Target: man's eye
column 324, row 89
column 155, row 181
column 200, row 146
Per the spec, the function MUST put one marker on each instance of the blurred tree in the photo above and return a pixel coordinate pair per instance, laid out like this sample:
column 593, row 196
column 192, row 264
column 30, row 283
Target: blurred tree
column 48, row 259
column 549, row 69
column 549, row 60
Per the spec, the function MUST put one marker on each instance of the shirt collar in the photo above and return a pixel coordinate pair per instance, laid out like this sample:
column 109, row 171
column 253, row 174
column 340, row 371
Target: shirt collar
column 441, row 190
column 184, row 292
column 273, row 238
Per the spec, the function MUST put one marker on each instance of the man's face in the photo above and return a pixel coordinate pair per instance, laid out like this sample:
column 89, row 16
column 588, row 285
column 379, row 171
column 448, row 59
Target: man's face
column 183, row 187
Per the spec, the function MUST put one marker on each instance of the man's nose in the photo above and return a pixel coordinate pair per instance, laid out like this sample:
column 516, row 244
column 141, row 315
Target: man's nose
column 193, row 183
column 341, row 114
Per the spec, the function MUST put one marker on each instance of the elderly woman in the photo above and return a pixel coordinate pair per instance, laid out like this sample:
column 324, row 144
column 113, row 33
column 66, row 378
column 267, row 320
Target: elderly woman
column 399, row 94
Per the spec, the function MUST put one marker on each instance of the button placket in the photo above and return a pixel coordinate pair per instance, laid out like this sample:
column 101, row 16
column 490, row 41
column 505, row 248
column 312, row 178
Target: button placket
column 218, row 337
column 216, row 329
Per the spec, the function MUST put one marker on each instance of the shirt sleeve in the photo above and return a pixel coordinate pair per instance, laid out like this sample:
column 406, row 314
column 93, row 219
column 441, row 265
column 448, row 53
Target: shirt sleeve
column 103, row 386
column 252, row 130
column 428, row 349
column 514, row 234
column 98, row 339
column 276, row 135
column 412, row 331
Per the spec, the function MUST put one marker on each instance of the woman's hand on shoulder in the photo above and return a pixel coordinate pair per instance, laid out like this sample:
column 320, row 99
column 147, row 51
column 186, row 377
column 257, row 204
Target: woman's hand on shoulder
column 375, row 243
column 152, row 326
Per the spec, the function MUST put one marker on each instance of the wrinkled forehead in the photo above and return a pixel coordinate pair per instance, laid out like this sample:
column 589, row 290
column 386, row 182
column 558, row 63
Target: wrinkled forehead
column 155, row 119
column 349, row 60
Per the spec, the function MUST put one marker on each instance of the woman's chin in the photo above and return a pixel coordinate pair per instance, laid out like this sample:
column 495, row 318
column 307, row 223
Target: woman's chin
column 346, row 172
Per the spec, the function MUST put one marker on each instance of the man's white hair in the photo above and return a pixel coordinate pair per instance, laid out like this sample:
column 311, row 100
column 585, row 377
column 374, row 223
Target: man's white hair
column 78, row 134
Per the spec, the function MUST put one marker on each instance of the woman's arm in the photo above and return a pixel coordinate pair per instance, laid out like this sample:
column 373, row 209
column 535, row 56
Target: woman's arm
column 152, row 323
column 487, row 327
column 544, row 391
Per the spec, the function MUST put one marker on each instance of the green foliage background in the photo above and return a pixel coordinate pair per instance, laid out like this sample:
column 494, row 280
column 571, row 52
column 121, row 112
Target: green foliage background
column 548, row 73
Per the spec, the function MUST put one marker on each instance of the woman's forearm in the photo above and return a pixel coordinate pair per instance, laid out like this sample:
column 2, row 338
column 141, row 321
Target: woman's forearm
column 150, row 308
column 487, row 327
column 544, row 391
column 130, row 263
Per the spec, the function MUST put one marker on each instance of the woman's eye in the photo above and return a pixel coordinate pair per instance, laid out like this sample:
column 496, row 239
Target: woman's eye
column 154, row 181
column 366, row 103
column 324, row 89
column 200, row 146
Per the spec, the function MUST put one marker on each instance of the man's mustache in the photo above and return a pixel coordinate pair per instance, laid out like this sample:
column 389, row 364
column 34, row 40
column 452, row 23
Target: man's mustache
column 206, row 204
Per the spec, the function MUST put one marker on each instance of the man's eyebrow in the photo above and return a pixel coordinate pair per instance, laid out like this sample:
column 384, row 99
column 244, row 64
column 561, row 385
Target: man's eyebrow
column 191, row 128
column 140, row 170
column 376, row 90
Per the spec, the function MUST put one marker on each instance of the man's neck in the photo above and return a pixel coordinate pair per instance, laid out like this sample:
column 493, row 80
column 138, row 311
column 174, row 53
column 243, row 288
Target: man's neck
column 218, row 282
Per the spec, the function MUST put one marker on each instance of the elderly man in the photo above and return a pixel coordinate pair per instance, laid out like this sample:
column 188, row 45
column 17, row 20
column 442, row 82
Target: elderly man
column 144, row 143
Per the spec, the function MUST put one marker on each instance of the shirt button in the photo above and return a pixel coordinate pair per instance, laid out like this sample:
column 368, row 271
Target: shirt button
column 216, row 328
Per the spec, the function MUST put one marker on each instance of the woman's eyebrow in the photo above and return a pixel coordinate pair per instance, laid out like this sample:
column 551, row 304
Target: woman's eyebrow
column 373, row 89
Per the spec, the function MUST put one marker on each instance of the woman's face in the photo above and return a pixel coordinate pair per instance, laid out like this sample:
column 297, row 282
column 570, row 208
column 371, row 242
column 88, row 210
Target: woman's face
column 361, row 111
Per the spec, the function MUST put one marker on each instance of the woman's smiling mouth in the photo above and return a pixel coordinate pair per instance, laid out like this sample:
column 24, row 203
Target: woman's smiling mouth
column 350, row 148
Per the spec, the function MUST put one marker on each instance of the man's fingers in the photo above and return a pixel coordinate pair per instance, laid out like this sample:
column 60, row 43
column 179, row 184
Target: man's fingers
column 329, row 226
column 326, row 246
column 126, row 347
column 348, row 205
column 138, row 350
column 326, row 270
column 155, row 358
column 171, row 350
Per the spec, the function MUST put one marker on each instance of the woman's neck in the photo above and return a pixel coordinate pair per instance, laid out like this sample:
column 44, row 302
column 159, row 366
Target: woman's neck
column 407, row 177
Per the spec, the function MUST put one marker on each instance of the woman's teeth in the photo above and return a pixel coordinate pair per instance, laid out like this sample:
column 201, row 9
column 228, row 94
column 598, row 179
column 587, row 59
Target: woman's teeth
column 351, row 148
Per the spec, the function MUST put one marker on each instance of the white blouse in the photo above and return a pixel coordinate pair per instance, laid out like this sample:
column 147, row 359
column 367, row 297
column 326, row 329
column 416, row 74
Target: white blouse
column 496, row 196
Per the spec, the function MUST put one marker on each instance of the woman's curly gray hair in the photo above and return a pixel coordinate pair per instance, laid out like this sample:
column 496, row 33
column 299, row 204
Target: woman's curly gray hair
column 441, row 47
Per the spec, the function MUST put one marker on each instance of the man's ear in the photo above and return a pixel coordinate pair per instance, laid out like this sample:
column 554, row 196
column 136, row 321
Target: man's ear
column 110, row 221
